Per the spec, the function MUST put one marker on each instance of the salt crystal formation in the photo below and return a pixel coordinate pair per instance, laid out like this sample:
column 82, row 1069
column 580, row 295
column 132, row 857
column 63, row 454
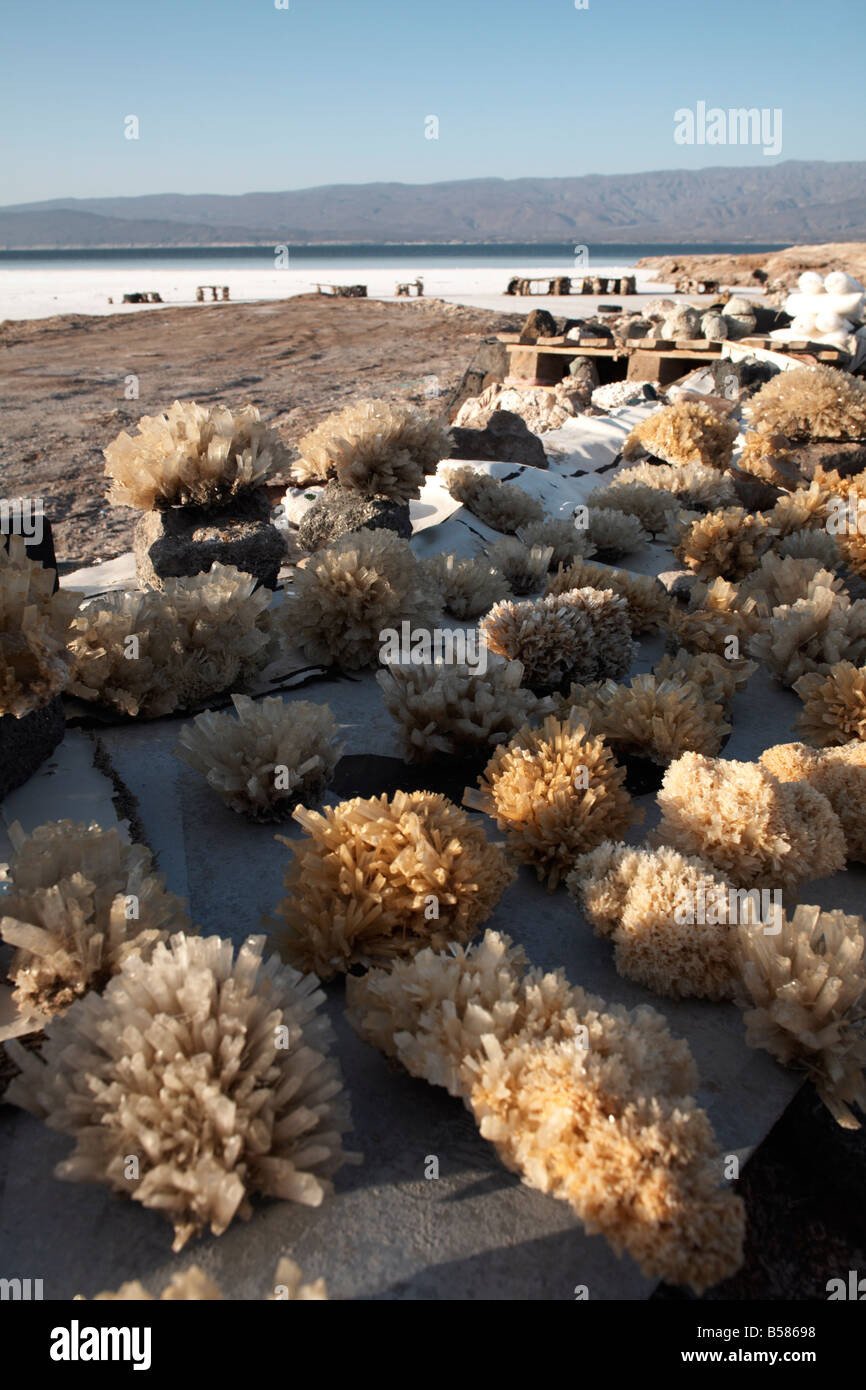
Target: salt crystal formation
column 524, row 567
column 455, row 709
column 213, row 1070
column 273, row 755
column 692, row 484
column 767, row 456
column 376, row 880
column 79, row 902
column 582, row 634
column 717, row 679
column 812, row 635
column 647, row 504
column 192, row 454
column 374, row 448
column 754, row 830
column 810, row 544
column 566, row 540
column 811, row 403
column 150, row 653
column 646, row 600
column 468, row 588
column 806, row 507
column 726, row 544
column 556, row 791
column 834, row 705
column 350, row 591
column 666, row 914
column 716, row 620
column 34, row 624
column 649, row 717
column 503, row 506
column 687, row 432
column 193, row 1285
column 838, row 773
column 806, row 991
column 614, row 533
column 780, row 580
column 587, row 1102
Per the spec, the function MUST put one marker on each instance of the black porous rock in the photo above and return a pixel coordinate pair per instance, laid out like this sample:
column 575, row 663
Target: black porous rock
column 25, row 743
column 178, row 542
column 339, row 510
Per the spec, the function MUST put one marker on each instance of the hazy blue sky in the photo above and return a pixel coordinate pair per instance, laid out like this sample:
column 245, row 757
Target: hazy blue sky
column 237, row 95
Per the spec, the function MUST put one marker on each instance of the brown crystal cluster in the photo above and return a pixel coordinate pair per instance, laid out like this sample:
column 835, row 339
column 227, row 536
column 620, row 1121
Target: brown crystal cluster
column 590, row 1103
column 375, row 880
column 375, row 448
column 580, row 634
column 556, row 791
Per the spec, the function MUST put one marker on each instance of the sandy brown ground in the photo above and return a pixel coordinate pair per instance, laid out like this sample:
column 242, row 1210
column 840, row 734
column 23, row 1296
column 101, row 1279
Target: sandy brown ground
column 62, row 382
column 782, row 267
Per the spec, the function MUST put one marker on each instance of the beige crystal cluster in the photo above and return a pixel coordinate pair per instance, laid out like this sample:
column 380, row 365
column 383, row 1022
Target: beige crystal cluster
column 590, row 1103
column 34, row 625
column 727, row 543
column 151, row 652
column 666, row 914
column 455, row 709
column 565, row 539
column 717, row 679
column 839, row 773
column 505, row 507
column 524, row 567
column 79, row 901
column 350, row 591
column 650, row 717
column 646, row 599
column 812, row 635
column 716, row 622
column 581, row 634
column 374, row 880
column 614, row 533
column 556, row 791
column 375, row 448
column 194, row 1286
column 192, row 454
column 834, row 705
column 646, row 502
column 754, row 830
column 805, row 995
column 213, row 1070
column 687, row 432
column 468, row 588
column 811, row 403
column 262, row 763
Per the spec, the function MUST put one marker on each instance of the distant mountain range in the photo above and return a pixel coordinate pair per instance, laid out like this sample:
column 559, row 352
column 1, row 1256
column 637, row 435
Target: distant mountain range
column 794, row 201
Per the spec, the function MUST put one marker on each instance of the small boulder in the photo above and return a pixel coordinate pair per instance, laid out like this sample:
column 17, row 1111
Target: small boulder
column 176, row 542
column 714, row 327
column 339, row 510
column 538, row 324
column 506, row 438
column 681, row 322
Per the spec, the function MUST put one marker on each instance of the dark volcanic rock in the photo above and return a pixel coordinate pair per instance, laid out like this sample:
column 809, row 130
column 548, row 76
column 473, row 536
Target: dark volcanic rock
column 176, row 542
column 539, row 324
column 847, row 457
column 507, row 439
column 338, row 510
column 25, row 743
